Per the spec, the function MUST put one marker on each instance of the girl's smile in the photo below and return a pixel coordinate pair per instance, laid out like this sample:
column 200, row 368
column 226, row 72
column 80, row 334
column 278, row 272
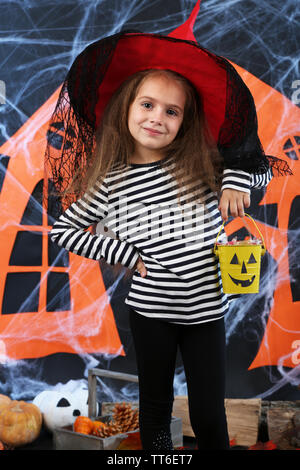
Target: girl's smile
column 155, row 116
column 152, row 131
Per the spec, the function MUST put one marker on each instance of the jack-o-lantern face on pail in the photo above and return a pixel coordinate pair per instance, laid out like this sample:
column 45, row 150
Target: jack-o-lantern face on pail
column 244, row 275
column 240, row 268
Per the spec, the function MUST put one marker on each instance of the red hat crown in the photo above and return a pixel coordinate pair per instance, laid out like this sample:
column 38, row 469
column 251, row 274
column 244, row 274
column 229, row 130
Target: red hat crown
column 186, row 30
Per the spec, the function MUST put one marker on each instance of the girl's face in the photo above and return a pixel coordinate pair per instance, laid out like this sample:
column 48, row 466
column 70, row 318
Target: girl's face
column 156, row 114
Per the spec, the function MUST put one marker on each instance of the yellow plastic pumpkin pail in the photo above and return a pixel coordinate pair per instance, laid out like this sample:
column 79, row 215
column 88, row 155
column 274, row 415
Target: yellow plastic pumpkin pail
column 240, row 264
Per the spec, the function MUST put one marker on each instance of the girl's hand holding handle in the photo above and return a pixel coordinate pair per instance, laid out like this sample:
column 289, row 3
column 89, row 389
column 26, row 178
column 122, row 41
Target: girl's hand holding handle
column 235, row 201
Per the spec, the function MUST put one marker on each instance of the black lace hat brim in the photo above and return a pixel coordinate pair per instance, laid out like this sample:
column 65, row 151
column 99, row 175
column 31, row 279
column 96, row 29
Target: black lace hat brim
column 100, row 69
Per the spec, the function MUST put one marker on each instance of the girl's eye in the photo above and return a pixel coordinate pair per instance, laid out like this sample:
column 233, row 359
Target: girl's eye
column 147, row 105
column 172, row 112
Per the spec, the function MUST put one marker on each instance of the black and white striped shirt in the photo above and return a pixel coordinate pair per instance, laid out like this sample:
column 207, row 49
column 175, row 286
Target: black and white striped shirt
column 142, row 218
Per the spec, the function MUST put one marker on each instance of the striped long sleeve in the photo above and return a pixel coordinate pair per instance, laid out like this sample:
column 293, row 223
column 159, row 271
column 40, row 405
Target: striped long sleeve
column 242, row 181
column 70, row 231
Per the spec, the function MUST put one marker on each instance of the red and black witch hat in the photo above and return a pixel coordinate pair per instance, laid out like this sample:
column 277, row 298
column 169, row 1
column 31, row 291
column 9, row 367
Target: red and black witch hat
column 99, row 70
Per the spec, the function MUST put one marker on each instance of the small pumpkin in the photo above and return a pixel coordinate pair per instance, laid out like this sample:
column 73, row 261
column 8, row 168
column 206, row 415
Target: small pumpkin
column 97, row 425
column 20, row 423
column 83, row 424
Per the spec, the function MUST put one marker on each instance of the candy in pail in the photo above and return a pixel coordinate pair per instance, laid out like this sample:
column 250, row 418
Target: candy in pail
column 240, row 264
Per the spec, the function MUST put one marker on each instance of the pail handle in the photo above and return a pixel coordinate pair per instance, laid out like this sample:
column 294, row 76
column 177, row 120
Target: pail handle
column 263, row 244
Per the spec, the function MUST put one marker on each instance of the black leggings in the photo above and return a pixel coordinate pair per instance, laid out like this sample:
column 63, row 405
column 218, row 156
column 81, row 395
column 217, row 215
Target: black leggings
column 202, row 349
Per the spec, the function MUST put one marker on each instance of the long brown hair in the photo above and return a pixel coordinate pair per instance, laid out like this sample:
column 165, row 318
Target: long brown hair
column 195, row 154
column 194, row 151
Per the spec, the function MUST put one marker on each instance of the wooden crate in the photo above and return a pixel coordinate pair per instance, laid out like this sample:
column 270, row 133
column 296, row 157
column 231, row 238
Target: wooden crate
column 66, row 439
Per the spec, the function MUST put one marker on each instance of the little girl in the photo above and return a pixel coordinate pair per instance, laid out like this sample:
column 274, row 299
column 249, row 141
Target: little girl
column 160, row 181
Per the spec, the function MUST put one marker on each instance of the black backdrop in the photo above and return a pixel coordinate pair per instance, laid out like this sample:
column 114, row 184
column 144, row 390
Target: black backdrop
column 38, row 42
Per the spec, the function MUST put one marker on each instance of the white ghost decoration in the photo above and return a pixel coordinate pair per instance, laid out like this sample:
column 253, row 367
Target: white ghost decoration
column 61, row 408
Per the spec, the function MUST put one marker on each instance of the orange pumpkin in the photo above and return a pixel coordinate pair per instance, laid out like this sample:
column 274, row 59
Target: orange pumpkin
column 20, row 423
column 97, row 425
column 83, row 424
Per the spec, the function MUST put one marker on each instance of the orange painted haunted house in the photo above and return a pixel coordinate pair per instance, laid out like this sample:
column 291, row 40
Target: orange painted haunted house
column 51, row 301
column 279, row 131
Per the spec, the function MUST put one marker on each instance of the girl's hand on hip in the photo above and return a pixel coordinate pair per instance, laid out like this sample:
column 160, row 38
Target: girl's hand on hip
column 141, row 268
column 234, row 201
